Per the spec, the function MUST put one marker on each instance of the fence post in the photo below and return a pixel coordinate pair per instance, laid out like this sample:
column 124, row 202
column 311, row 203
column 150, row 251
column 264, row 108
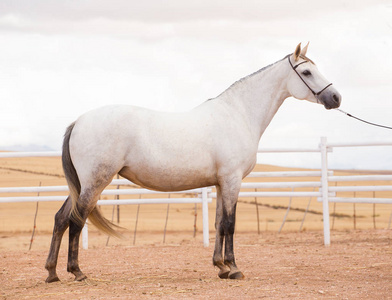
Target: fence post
column 206, row 233
column 324, row 187
column 85, row 236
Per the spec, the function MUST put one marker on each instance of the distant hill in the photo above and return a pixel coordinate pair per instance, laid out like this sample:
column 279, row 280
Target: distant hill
column 26, row 148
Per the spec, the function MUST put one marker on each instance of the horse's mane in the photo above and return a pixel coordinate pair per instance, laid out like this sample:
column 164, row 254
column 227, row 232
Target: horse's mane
column 262, row 70
column 254, row 73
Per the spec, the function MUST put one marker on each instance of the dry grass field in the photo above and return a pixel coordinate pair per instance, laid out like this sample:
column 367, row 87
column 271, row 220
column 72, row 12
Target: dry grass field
column 18, row 218
column 292, row 264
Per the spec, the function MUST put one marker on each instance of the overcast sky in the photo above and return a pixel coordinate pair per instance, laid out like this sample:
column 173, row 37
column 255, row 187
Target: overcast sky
column 59, row 59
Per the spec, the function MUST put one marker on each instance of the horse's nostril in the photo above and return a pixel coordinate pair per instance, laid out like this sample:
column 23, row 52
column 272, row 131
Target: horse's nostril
column 336, row 98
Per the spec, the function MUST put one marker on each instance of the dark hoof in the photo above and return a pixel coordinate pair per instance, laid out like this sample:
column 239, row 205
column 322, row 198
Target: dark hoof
column 237, row 275
column 223, row 274
column 52, row 279
column 80, row 277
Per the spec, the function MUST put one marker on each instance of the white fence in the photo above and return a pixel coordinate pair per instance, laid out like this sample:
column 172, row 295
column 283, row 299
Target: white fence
column 325, row 193
column 326, row 189
column 198, row 196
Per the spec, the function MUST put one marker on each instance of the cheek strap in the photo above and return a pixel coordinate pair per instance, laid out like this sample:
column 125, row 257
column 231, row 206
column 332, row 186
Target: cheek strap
column 295, row 70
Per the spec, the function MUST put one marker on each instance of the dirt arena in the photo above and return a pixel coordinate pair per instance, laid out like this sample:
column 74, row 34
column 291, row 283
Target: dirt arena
column 357, row 265
column 291, row 264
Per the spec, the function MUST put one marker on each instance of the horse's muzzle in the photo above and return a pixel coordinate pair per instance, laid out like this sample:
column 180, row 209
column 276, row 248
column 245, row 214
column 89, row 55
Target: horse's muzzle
column 331, row 99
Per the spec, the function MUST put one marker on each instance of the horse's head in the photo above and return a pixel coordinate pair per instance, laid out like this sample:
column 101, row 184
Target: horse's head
column 306, row 82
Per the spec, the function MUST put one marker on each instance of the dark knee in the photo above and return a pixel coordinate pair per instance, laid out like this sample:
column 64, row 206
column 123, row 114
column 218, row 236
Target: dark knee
column 74, row 227
column 228, row 220
column 61, row 218
column 228, row 223
column 61, row 221
column 229, row 227
column 221, row 229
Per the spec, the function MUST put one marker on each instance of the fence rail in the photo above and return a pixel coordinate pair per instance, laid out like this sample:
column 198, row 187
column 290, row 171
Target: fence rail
column 200, row 195
column 325, row 193
column 326, row 147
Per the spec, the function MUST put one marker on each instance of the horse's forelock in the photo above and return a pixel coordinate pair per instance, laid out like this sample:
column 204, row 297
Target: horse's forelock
column 307, row 59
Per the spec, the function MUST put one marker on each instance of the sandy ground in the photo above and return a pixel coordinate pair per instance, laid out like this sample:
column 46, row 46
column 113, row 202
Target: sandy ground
column 357, row 265
column 292, row 264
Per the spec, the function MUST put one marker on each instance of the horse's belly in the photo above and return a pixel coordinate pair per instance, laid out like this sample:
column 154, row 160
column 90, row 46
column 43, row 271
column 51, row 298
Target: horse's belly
column 170, row 175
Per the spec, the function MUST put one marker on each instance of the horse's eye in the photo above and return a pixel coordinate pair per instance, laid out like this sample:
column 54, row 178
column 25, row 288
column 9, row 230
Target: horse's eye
column 306, row 73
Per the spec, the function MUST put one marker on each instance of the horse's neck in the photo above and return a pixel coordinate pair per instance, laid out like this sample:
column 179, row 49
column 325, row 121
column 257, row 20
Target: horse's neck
column 259, row 96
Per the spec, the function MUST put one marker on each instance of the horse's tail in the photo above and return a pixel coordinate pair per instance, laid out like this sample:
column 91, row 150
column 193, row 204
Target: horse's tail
column 71, row 175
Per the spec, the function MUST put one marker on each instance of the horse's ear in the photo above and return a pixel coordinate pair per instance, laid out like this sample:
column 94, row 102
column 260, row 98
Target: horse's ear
column 297, row 52
column 304, row 50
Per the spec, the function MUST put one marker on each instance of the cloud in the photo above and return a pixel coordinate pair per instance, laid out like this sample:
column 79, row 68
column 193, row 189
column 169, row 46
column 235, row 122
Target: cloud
column 89, row 16
column 165, row 11
column 59, row 59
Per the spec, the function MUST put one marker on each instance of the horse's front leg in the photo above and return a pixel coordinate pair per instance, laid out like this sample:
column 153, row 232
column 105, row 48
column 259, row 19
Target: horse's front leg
column 217, row 259
column 229, row 193
column 229, row 227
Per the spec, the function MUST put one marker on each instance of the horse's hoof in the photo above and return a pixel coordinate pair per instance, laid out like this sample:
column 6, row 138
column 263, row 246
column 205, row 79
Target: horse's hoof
column 80, row 277
column 237, row 275
column 52, row 279
column 223, row 274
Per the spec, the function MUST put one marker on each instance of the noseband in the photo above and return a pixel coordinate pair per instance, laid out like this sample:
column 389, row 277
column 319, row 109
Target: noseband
column 313, row 92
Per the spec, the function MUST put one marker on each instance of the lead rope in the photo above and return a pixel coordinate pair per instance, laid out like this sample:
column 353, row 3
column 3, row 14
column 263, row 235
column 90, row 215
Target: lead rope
column 316, row 95
column 367, row 122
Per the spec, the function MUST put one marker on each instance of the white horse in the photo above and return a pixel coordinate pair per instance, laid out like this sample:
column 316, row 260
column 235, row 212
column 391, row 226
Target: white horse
column 213, row 144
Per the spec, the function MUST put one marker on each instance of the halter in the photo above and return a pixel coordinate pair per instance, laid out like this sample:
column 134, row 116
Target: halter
column 317, row 94
column 313, row 92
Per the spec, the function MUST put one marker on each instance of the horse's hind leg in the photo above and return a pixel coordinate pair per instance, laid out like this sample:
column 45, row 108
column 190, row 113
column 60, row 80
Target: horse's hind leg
column 85, row 205
column 60, row 226
column 73, row 251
